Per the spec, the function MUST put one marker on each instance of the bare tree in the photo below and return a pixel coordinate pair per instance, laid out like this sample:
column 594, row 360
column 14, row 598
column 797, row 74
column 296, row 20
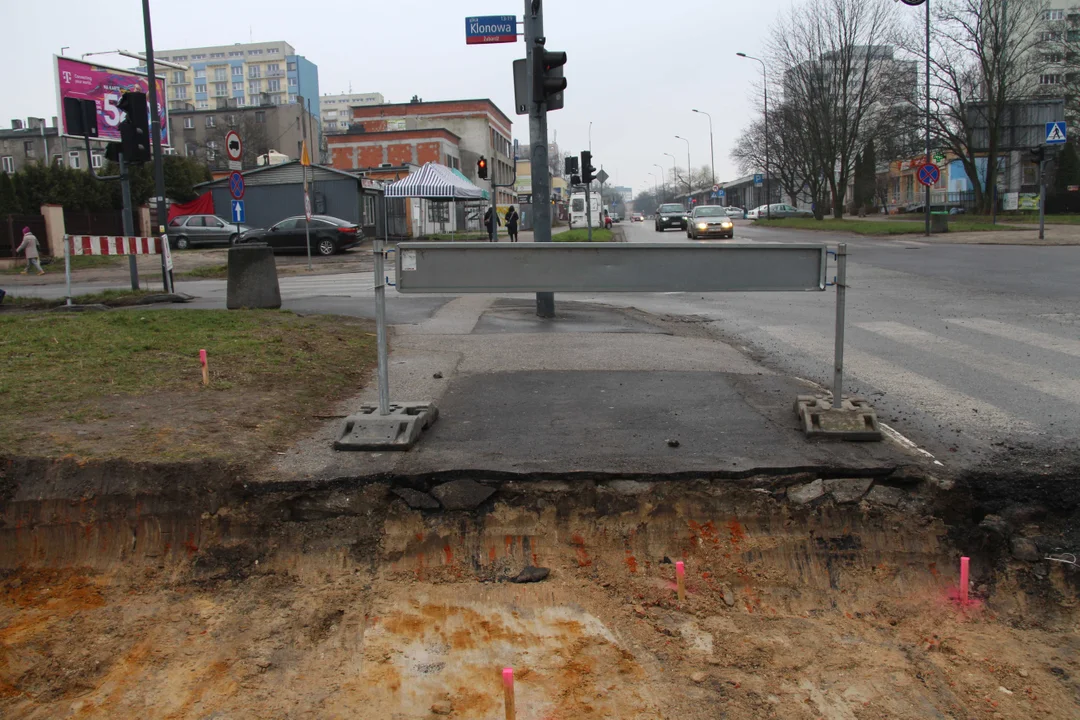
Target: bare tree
column 985, row 55
column 837, row 79
column 789, row 162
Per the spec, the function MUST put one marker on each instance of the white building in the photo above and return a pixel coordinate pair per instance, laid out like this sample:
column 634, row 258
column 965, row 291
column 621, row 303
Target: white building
column 336, row 110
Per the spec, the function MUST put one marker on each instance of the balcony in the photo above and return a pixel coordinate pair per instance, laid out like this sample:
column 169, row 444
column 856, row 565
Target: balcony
column 275, row 73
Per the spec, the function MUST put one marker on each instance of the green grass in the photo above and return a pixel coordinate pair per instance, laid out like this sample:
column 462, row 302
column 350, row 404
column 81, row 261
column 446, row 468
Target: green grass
column 1028, row 218
column 207, row 271
column 460, row 237
column 78, row 262
column 112, row 298
column 582, row 235
column 135, row 377
column 882, row 227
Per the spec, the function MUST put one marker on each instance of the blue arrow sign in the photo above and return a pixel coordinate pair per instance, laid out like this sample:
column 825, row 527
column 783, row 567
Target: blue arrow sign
column 1055, row 133
column 238, row 215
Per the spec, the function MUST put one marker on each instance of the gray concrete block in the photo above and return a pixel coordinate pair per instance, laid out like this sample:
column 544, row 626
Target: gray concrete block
column 252, row 280
column 415, row 499
column 398, row 430
column 848, row 490
column 804, row 494
column 854, row 420
column 885, row 495
column 461, row 494
column 1025, row 549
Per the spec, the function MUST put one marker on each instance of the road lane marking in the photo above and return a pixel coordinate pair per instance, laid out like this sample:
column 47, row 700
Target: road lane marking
column 1042, row 340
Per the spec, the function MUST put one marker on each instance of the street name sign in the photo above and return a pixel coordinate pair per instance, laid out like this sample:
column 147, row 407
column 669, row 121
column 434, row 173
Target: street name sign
column 490, row 29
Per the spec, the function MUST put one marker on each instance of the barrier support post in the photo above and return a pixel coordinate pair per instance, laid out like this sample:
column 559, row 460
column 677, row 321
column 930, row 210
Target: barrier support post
column 838, row 349
column 67, row 266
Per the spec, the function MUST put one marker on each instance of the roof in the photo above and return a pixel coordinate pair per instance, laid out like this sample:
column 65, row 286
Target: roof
column 377, row 135
column 289, row 172
column 435, row 182
column 489, row 101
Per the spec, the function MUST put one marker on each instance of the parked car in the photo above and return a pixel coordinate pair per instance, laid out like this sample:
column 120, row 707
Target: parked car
column 709, row 220
column 637, row 217
column 670, row 215
column 735, row 212
column 778, row 210
column 189, row 230
column 329, row 235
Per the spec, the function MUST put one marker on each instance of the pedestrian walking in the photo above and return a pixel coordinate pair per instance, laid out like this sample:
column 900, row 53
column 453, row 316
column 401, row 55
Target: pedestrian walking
column 512, row 220
column 491, row 220
column 30, row 245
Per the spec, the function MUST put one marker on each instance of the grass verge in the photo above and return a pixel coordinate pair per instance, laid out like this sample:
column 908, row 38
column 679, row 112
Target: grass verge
column 882, row 227
column 460, row 237
column 78, row 262
column 214, row 272
column 129, row 384
column 1028, row 218
column 112, row 298
column 582, row 235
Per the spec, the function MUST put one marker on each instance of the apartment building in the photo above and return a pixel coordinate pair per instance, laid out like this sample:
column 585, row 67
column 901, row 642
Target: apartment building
column 33, row 141
column 478, row 128
column 267, row 131
column 336, row 110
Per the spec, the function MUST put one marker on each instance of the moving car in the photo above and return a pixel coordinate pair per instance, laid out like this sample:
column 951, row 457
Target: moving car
column 735, row 212
column 710, row 220
column 189, row 230
column 329, row 235
column 778, row 210
column 637, row 217
column 670, row 215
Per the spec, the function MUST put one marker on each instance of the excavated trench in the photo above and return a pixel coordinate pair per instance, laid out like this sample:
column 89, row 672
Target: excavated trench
column 205, row 591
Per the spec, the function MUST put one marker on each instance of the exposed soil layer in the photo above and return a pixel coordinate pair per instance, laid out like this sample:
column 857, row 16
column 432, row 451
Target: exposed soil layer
column 187, row 592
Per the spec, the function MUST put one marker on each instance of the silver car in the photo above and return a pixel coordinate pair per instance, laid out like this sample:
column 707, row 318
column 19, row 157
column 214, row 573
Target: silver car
column 778, row 210
column 709, row 220
column 735, row 212
column 190, row 230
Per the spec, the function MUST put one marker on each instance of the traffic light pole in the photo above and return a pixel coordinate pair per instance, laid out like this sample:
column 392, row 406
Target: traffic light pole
column 155, row 138
column 538, row 149
column 129, row 225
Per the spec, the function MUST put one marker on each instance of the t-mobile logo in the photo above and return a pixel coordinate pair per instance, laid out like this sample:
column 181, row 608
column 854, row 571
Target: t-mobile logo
column 67, row 76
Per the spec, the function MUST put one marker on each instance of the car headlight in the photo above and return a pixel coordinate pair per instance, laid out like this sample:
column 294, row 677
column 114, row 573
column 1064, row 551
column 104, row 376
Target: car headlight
column 702, row 226
column 725, row 224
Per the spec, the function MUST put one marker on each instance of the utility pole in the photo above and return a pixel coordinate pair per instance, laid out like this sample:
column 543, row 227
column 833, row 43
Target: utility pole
column 928, row 156
column 538, row 146
column 129, row 225
column 155, row 138
column 712, row 152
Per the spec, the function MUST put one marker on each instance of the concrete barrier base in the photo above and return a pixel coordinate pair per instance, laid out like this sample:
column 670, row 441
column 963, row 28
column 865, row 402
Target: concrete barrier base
column 399, row 430
column 252, row 279
column 854, row 420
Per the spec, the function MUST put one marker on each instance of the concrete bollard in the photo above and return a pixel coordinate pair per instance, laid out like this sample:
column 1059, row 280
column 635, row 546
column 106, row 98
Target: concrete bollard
column 253, row 281
column 939, row 222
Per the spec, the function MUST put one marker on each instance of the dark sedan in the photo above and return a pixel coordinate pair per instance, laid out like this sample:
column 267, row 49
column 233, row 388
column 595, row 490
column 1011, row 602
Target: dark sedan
column 329, row 235
column 670, row 215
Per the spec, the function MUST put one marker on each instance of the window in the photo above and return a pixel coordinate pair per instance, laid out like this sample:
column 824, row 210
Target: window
column 57, row 159
column 178, row 77
column 240, row 101
column 292, row 82
column 200, row 74
column 1050, row 79
column 273, row 85
column 198, row 57
column 254, row 71
column 439, row 212
column 196, row 221
column 236, row 53
column 1053, row 57
column 179, row 58
column 97, row 160
column 231, row 119
column 238, row 87
column 273, row 68
column 180, row 93
column 1074, row 36
column 275, row 99
column 221, row 74
column 273, row 51
column 255, row 52
column 369, row 210
column 1049, row 36
column 221, row 89
column 217, row 55
column 200, row 88
column 238, row 71
column 8, row 164
column 260, row 116
column 254, row 87
column 202, row 105
column 28, row 149
column 189, row 123
column 176, row 222
column 192, row 149
column 210, row 121
column 331, row 125
column 211, row 150
column 74, row 161
column 1054, row 15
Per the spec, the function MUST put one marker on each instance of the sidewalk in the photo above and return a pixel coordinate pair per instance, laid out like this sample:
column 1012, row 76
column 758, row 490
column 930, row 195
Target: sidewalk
column 599, row 391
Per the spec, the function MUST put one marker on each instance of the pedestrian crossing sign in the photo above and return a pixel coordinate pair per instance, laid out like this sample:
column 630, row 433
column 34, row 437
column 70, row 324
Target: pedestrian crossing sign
column 1055, row 133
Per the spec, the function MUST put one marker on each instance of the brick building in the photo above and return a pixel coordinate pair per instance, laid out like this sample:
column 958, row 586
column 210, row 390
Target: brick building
column 452, row 132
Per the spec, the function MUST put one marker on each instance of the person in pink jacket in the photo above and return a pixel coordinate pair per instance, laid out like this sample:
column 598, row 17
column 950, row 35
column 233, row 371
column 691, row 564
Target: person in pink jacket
column 30, row 245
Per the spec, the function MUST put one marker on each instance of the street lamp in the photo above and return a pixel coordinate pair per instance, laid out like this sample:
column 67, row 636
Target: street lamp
column 765, row 87
column 662, row 174
column 689, row 171
column 590, row 136
column 654, row 188
column 712, row 152
column 674, row 172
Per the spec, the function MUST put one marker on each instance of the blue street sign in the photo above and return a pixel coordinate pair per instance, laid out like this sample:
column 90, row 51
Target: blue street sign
column 720, row 192
column 238, row 211
column 236, row 185
column 759, row 180
column 1055, row 133
column 490, row 29
column 929, row 174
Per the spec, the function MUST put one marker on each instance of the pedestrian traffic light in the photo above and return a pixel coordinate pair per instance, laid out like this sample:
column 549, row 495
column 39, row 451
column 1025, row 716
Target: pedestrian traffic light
column 575, row 179
column 547, row 76
column 135, row 127
column 571, row 166
column 482, row 168
column 587, row 170
column 1037, row 154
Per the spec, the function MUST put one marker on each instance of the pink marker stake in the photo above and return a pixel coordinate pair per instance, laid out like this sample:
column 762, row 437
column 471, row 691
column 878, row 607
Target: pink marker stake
column 205, row 368
column 508, row 693
column 964, row 580
column 680, row 580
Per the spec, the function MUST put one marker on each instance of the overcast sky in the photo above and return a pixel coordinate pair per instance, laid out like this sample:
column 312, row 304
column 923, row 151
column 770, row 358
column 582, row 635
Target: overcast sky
column 636, row 68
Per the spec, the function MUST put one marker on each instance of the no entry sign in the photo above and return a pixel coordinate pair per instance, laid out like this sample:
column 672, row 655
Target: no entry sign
column 929, row 174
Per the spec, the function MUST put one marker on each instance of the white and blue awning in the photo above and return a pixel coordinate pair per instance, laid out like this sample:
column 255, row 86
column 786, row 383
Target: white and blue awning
column 435, row 182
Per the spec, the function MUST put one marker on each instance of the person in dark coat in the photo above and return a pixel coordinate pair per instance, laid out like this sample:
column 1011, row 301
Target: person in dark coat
column 491, row 221
column 512, row 220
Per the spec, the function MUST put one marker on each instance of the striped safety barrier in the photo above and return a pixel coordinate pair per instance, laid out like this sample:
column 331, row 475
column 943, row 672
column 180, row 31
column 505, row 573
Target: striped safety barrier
column 111, row 245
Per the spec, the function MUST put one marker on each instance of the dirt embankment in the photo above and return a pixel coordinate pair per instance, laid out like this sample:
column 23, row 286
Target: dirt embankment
column 186, row 591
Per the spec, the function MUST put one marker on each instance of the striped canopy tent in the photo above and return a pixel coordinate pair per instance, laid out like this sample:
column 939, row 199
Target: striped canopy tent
column 435, row 182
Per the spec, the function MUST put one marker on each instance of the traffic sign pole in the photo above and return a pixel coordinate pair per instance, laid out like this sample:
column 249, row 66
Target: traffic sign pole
column 538, row 147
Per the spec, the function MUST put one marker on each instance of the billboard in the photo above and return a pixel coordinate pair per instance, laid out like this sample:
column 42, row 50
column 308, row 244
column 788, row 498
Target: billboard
column 104, row 85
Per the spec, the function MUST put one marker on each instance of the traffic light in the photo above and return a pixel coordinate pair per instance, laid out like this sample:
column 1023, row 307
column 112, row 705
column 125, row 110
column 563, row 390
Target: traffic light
column 1037, row 154
column 587, row 170
column 548, row 80
column 135, row 127
column 571, row 166
column 482, row 168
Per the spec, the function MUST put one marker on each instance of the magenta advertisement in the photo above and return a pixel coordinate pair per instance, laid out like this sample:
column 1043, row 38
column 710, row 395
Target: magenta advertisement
column 104, row 85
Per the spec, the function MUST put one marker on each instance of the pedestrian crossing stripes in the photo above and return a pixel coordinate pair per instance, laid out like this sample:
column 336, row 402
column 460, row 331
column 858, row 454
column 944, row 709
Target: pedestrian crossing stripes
column 899, row 382
column 1042, row 340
